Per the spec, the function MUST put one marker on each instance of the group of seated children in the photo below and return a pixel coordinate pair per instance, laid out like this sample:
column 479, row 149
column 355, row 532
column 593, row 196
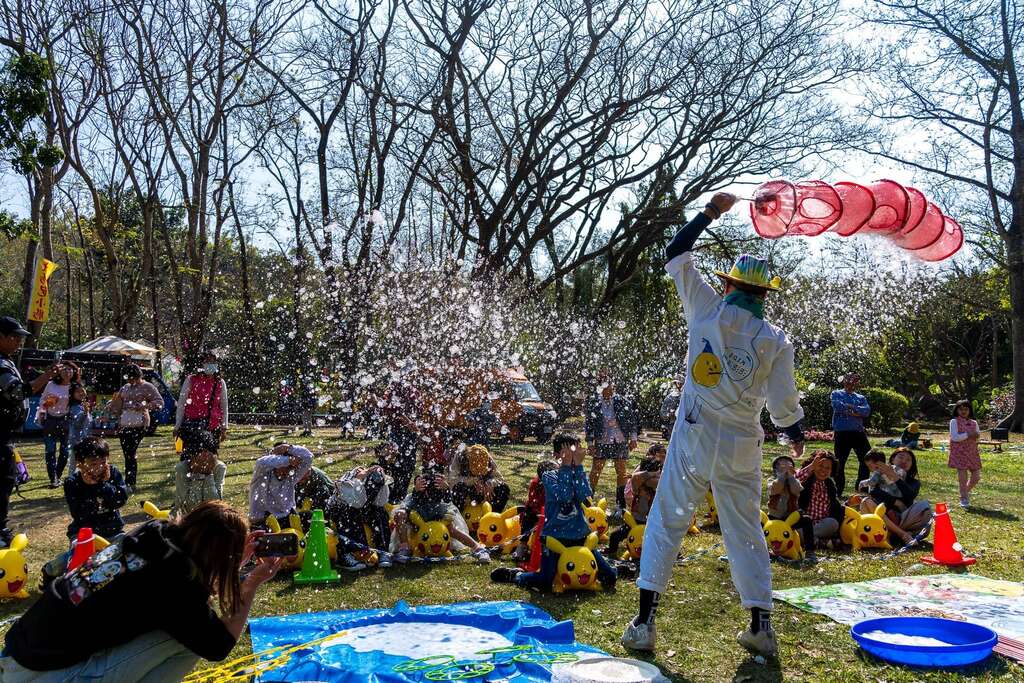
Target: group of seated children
column 812, row 492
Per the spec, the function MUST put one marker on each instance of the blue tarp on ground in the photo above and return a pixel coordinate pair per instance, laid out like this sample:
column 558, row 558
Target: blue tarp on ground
column 512, row 642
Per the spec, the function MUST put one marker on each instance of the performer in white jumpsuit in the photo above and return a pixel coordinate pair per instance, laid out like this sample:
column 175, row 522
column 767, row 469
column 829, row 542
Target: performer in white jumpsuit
column 736, row 363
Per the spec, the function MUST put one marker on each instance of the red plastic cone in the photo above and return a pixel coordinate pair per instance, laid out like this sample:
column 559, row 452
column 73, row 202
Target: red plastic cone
column 533, row 565
column 947, row 548
column 84, row 547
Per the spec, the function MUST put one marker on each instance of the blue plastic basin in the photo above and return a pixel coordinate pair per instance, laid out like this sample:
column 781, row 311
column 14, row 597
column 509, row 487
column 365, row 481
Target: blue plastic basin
column 969, row 643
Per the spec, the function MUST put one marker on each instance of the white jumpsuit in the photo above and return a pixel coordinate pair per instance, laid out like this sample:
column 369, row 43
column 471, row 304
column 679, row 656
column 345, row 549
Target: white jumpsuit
column 736, row 363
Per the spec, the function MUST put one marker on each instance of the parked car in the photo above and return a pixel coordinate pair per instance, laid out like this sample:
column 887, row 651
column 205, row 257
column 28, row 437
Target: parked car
column 501, row 401
column 102, row 375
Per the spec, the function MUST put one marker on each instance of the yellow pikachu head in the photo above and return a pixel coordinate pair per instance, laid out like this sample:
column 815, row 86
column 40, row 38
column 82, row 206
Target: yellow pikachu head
column 14, row 569
column 782, row 538
column 473, row 512
column 577, row 567
column 597, row 517
column 635, row 539
column 712, row 508
column 865, row 530
column 429, row 539
column 500, row 529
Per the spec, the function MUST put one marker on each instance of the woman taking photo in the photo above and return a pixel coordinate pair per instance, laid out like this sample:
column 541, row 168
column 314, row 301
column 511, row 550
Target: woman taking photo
column 133, row 404
column 52, row 416
column 140, row 609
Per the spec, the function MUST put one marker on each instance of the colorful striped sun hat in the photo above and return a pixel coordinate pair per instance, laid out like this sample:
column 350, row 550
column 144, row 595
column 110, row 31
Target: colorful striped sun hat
column 751, row 271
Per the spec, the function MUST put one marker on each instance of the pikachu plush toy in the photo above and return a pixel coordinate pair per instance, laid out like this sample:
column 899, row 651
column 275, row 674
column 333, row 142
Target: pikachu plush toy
column 865, row 530
column 782, row 538
column 577, row 566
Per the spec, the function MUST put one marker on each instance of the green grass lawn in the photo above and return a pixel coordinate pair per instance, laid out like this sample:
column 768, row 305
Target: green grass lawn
column 698, row 617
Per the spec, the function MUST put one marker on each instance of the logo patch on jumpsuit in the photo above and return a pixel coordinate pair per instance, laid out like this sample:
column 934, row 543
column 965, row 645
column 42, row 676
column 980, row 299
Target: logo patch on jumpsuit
column 707, row 368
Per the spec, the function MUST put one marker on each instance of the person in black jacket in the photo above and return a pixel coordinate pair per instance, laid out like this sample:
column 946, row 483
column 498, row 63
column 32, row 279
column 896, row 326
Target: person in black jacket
column 96, row 491
column 140, row 608
column 611, row 428
column 819, row 498
column 13, row 394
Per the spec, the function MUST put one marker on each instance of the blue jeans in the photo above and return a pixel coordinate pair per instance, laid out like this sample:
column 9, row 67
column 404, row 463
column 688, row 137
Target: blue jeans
column 544, row 578
column 153, row 657
column 53, row 438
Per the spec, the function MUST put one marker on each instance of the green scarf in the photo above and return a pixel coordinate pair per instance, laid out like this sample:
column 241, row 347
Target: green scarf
column 748, row 302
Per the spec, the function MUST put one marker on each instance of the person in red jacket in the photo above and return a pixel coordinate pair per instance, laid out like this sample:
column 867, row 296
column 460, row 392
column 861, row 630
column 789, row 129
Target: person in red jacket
column 534, row 508
column 203, row 404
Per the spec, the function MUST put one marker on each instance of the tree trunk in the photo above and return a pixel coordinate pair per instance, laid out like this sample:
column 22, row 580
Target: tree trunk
column 1015, row 266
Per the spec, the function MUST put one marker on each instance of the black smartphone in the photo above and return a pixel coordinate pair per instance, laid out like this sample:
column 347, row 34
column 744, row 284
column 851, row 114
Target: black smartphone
column 277, row 545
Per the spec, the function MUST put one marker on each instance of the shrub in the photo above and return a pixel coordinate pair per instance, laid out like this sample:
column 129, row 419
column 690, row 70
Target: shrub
column 817, row 404
column 648, row 402
column 888, row 408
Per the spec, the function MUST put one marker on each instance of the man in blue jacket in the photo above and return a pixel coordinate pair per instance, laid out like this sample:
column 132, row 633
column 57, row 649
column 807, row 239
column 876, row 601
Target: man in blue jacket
column 849, row 410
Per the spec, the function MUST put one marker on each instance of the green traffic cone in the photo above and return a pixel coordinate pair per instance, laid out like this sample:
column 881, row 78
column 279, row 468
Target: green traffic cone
column 316, row 563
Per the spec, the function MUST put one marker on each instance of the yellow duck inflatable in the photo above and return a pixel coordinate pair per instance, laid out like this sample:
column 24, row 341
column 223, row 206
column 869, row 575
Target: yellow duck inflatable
column 14, row 569
column 473, row 513
column 597, row 518
column 865, row 530
column 428, row 539
column 500, row 529
column 635, row 539
column 577, row 567
column 783, row 540
column 153, row 511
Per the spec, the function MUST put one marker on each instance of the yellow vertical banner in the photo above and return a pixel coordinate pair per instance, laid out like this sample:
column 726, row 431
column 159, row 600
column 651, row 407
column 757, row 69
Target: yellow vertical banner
column 39, row 304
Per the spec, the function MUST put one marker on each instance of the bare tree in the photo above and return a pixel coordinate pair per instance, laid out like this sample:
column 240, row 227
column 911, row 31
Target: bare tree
column 553, row 114
column 954, row 75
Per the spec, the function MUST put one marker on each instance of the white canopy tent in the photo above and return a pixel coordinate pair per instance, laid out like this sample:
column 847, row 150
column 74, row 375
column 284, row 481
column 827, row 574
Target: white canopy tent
column 112, row 344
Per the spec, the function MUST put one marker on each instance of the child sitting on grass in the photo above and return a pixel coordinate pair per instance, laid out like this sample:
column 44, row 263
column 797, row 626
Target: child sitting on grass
column 96, row 491
column 199, row 476
column 272, row 490
column 431, row 499
column 878, row 479
column 565, row 492
column 784, row 491
column 639, row 493
column 358, row 504
column 530, row 513
column 820, row 500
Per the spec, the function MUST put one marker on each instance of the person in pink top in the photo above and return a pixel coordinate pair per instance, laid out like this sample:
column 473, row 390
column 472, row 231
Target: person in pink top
column 963, row 450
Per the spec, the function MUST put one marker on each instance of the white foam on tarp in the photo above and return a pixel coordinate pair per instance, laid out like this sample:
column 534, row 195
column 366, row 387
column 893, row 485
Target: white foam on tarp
column 607, row 670
column 416, row 640
column 904, row 639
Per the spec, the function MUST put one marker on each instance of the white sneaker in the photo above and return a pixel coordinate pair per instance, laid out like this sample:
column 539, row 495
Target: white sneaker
column 761, row 643
column 640, row 637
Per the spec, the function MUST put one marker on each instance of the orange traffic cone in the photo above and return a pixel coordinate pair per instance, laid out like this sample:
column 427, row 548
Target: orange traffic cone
column 83, row 548
column 533, row 565
column 946, row 547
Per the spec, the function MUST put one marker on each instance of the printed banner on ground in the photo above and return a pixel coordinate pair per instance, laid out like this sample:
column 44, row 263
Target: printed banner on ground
column 996, row 604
